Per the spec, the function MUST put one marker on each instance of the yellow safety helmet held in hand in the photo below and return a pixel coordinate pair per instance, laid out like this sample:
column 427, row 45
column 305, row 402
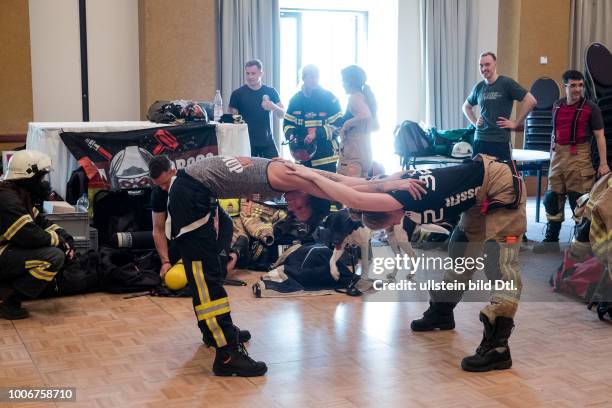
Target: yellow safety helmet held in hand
column 176, row 277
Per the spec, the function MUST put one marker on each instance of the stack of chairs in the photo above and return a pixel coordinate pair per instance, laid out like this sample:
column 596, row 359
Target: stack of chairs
column 538, row 124
column 598, row 82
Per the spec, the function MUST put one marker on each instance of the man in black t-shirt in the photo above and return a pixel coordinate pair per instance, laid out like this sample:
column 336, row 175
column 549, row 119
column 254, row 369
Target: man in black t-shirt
column 255, row 101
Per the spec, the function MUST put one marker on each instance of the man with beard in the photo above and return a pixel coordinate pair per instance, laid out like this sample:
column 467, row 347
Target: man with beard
column 32, row 249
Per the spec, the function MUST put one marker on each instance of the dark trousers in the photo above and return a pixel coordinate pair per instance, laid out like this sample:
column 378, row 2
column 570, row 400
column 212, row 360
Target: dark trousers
column 29, row 271
column 205, row 271
column 501, row 150
column 268, row 151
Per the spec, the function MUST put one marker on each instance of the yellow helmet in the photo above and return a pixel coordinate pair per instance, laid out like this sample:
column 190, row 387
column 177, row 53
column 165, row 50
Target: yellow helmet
column 176, row 278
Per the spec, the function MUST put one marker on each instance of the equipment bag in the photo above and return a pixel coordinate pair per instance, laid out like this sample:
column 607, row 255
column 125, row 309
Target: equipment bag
column 411, row 141
column 444, row 140
column 577, row 278
column 121, row 211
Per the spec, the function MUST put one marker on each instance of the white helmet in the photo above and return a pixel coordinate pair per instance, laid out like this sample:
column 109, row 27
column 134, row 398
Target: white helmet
column 25, row 164
column 462, row 150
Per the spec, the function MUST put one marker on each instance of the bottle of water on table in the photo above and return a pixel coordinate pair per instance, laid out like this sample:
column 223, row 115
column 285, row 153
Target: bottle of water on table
column 82, row 205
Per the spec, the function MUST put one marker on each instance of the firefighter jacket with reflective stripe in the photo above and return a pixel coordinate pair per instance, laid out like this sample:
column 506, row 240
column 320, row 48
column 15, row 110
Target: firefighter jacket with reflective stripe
column 317, row 111
column 26, row 229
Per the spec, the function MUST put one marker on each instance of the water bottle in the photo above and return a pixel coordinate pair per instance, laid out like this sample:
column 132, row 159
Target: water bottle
column 82, row 204
column 218, row 106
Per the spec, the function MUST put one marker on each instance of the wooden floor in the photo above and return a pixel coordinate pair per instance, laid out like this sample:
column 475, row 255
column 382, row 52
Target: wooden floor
column 330, row 351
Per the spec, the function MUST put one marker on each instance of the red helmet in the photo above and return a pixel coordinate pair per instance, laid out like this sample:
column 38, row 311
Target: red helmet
column 301, row 151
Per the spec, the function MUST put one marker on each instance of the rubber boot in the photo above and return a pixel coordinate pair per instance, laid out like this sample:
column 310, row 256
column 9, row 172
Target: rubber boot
column 550, row 243
column 493, row 353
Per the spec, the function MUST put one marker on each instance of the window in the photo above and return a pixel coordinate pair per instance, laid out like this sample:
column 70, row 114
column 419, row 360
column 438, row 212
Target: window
column 329, row 39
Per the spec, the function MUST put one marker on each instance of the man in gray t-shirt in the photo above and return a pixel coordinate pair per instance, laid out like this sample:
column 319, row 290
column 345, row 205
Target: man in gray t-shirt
column 495, row 95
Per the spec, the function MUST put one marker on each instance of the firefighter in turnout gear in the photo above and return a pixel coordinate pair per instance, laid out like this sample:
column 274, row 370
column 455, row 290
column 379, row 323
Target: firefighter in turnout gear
column 310, row 118
column 571, row 174
column 32, row 249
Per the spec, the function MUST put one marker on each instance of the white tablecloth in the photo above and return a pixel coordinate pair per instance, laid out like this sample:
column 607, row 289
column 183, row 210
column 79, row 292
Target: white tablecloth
column 44, row 137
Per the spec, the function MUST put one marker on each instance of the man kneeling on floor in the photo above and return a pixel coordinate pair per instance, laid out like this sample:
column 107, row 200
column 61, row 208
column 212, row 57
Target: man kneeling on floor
column 32, row 249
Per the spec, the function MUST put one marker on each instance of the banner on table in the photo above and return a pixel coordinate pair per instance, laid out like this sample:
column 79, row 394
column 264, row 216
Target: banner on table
column 120, row 160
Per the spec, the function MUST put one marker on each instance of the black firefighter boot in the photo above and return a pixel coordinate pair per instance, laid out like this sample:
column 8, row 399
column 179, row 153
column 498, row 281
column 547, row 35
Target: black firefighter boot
column 438, row 316
column 550, row 243
column 493, row 353
column 234, row 360
column 11, row 309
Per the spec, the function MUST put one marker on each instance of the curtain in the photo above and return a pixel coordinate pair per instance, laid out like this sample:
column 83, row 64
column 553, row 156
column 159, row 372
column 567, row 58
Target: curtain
column 247, row 29
column 589, row 22
column 449, row 54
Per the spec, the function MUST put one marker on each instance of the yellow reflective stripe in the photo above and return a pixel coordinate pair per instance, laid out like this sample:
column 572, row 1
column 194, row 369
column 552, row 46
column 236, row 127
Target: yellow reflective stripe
column 334, row 118
column 2, row 248
column 35, row 212
column 211, row 304
column 38, row 275
column 198, row 275
column 54, row 238
column 557, row 217
column 290, row 117
column 204, row 296
column 35, row 263
column 313, row 123
column 213, row 313
column 52, row 227
column 601, row 237
column 325, row 160
column 287, row 128
column 17, row 225
column 213, row 326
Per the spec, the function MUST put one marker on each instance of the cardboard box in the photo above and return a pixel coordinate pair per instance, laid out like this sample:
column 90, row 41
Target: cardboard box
column 58, row 207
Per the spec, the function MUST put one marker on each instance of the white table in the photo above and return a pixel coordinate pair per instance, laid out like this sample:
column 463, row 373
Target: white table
column 44, row 137
column 526, row 160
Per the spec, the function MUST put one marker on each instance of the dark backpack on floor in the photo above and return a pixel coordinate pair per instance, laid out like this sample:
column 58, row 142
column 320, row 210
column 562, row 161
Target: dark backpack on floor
column 411, row 141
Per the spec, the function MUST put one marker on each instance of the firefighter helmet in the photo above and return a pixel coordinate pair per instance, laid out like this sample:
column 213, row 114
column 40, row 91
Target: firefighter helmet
column 176, row 278
column 301, row 151
column 26, row 164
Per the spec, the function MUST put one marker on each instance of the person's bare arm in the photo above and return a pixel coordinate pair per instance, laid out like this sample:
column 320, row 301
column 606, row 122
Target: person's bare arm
column 468, row 111
column 527, row 104
column 601, row 148
column 278, row 109
column 161, row 244
column 360, row 111
column 347, row 195
column 279, row 112
column 382, row 185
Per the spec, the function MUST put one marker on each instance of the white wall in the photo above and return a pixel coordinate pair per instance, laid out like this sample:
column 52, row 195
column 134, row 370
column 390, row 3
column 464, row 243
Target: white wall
column 56, row 75
column 114, row 86
column 112, row 47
